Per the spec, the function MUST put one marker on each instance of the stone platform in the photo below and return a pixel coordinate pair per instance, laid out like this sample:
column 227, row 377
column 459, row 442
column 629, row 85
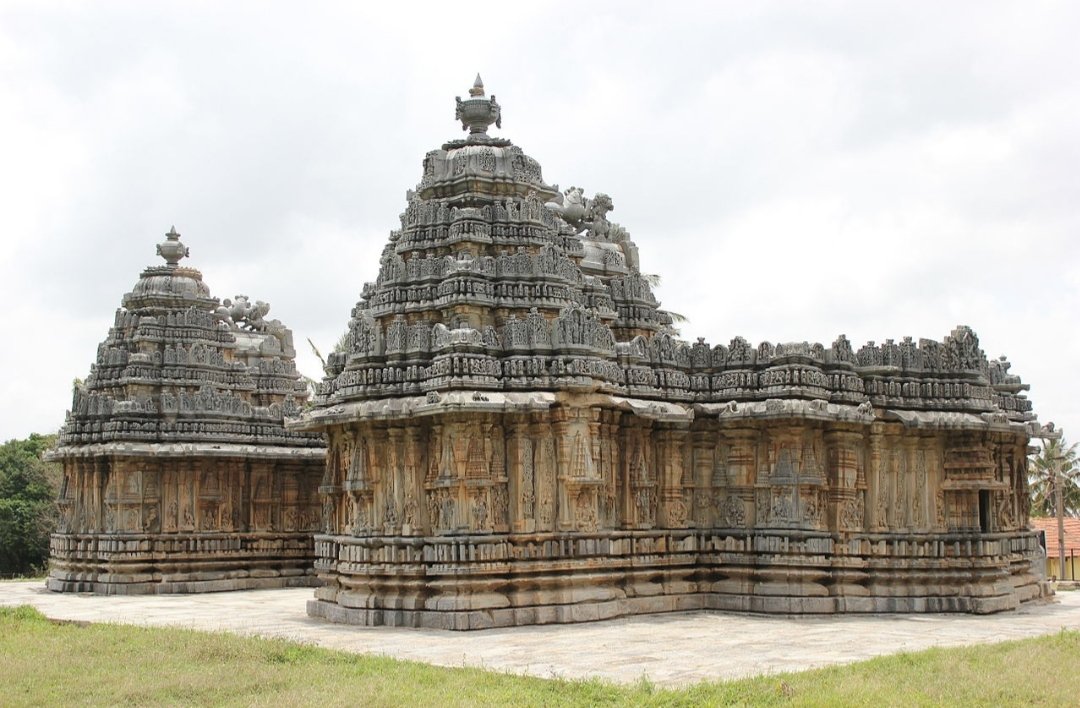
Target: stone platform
column 671, row 649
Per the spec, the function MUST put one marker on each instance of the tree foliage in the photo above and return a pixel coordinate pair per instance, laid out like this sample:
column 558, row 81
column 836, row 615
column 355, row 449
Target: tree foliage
column 28, row 487
column 1042, row 478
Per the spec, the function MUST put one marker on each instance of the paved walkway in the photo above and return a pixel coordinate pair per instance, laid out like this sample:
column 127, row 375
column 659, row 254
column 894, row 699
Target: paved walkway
column 673, row 649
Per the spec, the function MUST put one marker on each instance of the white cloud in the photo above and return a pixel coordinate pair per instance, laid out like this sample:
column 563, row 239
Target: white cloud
column 792, row 171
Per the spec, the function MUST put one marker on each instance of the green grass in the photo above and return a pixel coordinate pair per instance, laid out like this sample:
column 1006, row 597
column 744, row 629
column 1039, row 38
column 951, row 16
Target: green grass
column 48, row 663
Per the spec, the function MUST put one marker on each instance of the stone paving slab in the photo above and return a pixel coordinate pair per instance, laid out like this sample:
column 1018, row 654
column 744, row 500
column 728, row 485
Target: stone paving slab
column 671, row 649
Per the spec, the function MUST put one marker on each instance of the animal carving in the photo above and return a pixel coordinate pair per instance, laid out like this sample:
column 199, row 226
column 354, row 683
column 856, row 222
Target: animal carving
column 571, row 206
column 240, row 312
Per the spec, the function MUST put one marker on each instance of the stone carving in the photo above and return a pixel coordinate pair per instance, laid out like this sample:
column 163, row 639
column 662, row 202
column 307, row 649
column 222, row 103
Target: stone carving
column 676, row 513
column 477, row 113
column 479, row 511
column 528, row 492
column 586, row 512
column 571, row 206
column 732, row 513
column 570, row 446
column 851, row 515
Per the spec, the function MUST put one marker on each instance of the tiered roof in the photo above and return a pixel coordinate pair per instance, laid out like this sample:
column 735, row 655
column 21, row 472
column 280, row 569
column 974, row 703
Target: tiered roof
column 499, row 282
column 181, row 369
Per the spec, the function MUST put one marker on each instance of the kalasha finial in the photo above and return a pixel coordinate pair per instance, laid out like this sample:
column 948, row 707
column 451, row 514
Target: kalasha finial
column 172, row 250
column 477, row 113
column 477, row 87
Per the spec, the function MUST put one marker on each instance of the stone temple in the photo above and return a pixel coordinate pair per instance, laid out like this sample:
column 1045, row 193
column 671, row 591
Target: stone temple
column 517, row 436
column 179, row 475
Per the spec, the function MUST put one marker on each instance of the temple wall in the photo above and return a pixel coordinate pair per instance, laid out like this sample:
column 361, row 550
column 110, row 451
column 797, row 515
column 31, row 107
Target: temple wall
column 187, row 524
column 468, row 520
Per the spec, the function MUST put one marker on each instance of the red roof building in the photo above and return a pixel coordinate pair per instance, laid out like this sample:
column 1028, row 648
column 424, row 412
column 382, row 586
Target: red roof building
column 1049, row 525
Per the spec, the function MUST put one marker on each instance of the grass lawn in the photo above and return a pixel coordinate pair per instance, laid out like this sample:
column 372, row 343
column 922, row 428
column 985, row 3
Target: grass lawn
column 46, row 663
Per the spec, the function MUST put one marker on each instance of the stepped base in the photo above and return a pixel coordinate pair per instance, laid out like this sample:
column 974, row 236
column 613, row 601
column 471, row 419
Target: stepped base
column 154, row 564
column 481, row 582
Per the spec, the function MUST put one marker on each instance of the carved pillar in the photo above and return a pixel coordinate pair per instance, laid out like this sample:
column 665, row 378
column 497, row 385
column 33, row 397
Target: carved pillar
column 606, row 467
column 546, row 499
column 329, row 490
column 905, row 483
column 522, row 478
column 846, row 503
column 738, row 509
column 97, row 521
column 702, row 463
column 577, row 476
column 500, row 490
column 189, row 494
column 879, row 492
column 641, row 474
column 672, row 447
column 920, row 497
column 413, row 474
column 393, row 482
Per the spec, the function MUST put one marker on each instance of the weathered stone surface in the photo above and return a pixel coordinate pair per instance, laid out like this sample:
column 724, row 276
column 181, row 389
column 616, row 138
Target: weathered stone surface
column 517, row 436
column 179, row 475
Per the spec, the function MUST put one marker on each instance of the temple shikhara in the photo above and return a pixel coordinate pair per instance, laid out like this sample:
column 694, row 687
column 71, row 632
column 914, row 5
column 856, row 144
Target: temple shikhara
column 516, row 435
column 179, row 475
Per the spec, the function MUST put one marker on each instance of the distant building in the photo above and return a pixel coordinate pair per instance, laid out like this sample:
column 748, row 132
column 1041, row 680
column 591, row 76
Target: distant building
column 1049, row 526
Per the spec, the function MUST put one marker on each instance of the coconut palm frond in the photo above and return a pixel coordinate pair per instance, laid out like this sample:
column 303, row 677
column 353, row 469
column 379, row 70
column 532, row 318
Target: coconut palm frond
column 676, row 317
column 315, row 350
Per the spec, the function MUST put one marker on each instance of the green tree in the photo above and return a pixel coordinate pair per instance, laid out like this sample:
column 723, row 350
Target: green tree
column 1042, row 478
column 28, row 487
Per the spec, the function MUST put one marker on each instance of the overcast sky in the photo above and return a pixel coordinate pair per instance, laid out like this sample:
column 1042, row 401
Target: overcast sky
column 793, row 171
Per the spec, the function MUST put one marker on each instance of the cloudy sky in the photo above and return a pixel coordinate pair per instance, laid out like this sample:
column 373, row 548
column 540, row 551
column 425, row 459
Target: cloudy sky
column 793, row 171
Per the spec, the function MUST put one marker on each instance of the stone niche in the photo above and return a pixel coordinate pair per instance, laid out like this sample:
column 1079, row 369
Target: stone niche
column 179, row 475
column 517, row 436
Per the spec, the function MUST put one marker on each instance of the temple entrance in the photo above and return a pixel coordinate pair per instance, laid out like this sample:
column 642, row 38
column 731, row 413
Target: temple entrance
column 984, row 510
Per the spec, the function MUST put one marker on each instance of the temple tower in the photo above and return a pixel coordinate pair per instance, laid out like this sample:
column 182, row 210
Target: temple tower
column 517, row 435
column 179, row 475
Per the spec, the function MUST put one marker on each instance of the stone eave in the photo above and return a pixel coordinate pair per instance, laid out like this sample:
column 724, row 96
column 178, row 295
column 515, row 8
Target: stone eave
column 955, row 420
column 193, row 450
column 480, row 402
column 419, row 406
column 777, row 408
column 821, row 410
column 660, row 411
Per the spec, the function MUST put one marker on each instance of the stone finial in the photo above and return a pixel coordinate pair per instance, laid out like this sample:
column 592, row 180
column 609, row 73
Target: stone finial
column 476, row 113
column 477, row 89
column 171, row 249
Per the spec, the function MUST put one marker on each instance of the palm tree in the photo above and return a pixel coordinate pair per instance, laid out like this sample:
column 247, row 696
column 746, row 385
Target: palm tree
column 1053, row 455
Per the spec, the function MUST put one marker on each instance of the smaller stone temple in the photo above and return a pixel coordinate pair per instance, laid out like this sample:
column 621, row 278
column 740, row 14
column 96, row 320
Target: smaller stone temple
column 179, row 475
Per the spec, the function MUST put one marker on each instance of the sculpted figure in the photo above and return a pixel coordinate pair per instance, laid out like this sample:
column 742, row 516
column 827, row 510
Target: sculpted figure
column 240, row 312
column 570, row 205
